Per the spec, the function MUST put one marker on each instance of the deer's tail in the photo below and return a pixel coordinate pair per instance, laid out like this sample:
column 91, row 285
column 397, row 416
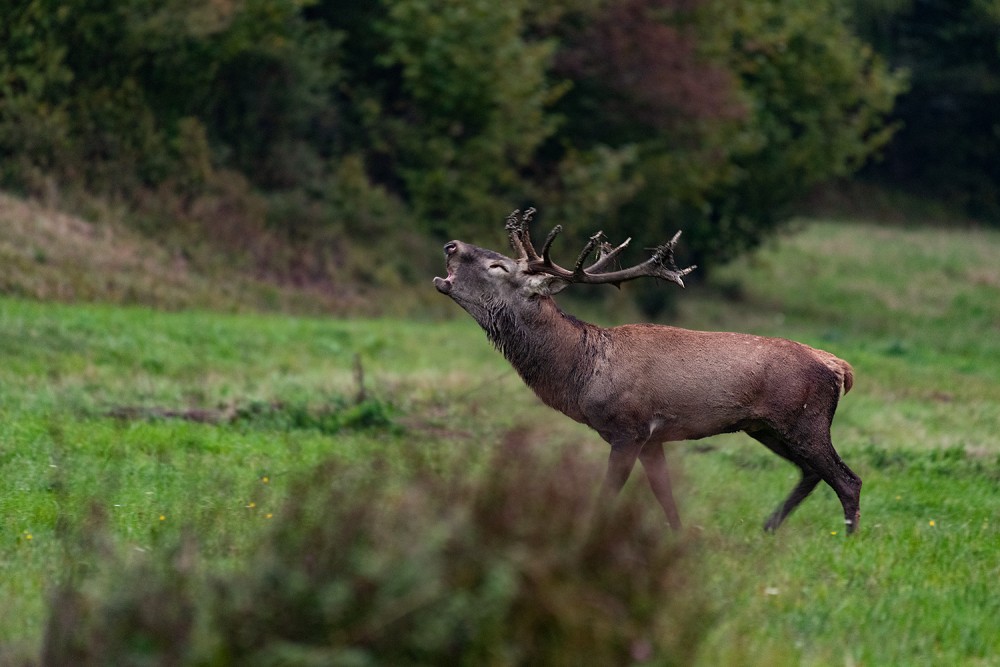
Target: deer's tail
column 842, row 369
column 848, row 377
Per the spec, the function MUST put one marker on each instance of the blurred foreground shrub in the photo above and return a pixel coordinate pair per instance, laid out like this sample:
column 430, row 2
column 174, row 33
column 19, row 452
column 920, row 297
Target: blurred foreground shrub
column 364, row 568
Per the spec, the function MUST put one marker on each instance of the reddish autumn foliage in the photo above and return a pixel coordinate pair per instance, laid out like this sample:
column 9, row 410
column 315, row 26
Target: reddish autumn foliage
column 644, row 55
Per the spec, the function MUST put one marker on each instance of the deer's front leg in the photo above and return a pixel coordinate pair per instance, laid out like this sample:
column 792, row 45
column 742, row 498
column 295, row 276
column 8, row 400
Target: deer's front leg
column 654, row 462
column 620, row 464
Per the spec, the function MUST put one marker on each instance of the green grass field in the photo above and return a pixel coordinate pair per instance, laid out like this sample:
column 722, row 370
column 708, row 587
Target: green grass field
column 129, row 427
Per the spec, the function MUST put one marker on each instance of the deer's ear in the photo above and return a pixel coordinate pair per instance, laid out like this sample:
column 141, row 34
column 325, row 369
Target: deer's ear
column 544, row 284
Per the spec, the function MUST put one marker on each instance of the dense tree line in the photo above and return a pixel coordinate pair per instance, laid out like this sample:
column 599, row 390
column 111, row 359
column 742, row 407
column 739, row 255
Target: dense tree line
column 441, row 115
column 948, row 145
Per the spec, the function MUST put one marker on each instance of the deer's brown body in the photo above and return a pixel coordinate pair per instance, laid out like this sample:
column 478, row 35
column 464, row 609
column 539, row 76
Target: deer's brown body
column 640, row 385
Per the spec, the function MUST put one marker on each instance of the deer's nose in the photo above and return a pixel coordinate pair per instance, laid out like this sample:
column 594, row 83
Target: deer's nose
column 451, row 247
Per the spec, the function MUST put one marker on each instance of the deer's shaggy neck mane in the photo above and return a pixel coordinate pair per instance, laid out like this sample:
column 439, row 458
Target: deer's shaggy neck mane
column 549, row 349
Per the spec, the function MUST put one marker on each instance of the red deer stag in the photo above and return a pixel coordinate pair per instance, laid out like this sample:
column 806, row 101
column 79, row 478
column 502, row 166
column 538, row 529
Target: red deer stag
column 640, row 385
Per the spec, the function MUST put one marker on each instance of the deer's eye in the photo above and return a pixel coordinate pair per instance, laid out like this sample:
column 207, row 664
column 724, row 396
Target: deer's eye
column 450, row 248
column 498, row 265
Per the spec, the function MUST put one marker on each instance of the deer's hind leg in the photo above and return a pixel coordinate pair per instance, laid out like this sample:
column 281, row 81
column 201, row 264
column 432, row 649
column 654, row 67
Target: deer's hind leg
column 812, row 451
column 845, row 483
column 810, row 479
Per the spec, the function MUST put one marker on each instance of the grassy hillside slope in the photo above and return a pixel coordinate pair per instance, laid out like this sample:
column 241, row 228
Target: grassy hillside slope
column 122, row 429
column 50, row 255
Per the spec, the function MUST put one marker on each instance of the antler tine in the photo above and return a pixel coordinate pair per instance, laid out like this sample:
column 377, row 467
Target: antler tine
column 607, row 254
column 520, row 236
column 514, row 231
column 548, row 244
column 663, row 255
column 661, row 263
column 587, row 249
column 526, row 233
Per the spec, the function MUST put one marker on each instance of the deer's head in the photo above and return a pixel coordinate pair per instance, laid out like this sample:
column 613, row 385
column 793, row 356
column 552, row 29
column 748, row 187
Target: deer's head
column 483, row 279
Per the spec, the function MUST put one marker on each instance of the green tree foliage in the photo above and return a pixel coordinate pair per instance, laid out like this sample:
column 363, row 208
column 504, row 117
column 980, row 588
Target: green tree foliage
column 949, row 144
column 640, row 116
column 746, row 106
column 816, row 98
column 135, row 80
column 453, row 103
column 34, row 81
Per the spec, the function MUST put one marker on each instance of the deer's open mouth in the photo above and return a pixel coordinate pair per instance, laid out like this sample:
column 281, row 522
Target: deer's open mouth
column 443, row 284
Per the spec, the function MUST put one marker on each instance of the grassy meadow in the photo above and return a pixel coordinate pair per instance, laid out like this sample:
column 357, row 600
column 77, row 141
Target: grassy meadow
column 125, row 431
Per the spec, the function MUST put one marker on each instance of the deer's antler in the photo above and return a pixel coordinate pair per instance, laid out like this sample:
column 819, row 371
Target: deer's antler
column 520, row 237
column 660, row 265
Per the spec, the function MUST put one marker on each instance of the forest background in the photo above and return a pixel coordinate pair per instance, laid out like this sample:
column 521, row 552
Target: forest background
column 314, row 142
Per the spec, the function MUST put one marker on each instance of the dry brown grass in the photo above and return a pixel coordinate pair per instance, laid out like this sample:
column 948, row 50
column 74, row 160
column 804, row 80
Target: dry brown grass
column 48, row 254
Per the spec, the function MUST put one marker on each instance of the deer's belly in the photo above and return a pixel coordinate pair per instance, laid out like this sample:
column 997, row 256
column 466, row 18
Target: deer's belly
column 667, row 427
